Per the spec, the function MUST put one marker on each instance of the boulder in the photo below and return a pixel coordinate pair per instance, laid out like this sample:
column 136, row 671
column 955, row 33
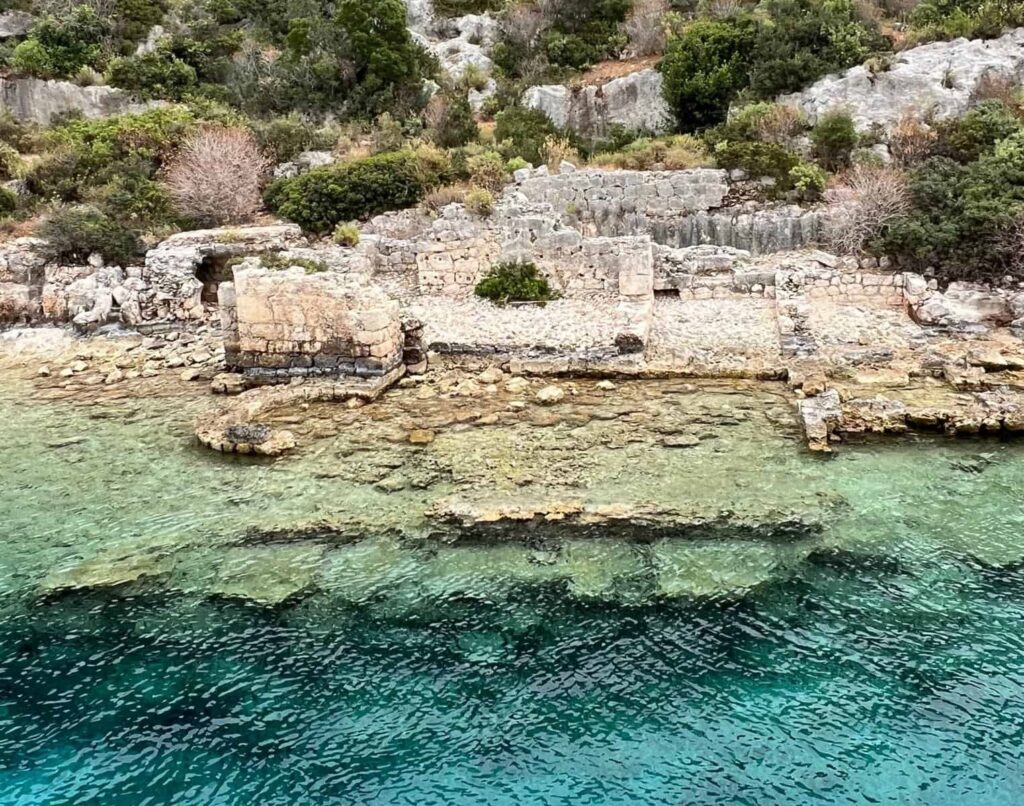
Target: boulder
column 15, row 23
column 964, row 305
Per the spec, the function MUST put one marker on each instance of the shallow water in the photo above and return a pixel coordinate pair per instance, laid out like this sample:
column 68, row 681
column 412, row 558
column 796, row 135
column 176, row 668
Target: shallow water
column 876, row 658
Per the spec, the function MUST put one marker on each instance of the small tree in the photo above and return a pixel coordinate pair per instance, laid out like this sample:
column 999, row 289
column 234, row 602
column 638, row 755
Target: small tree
column 216, row 176
column 834, row 137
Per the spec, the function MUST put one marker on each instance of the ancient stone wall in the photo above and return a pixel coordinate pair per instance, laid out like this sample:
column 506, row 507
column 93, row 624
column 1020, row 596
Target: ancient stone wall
column 290, row 323
column 676, row 208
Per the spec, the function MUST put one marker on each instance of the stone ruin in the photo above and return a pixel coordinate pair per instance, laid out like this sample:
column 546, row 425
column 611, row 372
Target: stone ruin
column 288, row 323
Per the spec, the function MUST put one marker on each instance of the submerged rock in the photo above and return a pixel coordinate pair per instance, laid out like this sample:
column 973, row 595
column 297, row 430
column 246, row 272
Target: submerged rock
column 267, row 575
column 109, row 572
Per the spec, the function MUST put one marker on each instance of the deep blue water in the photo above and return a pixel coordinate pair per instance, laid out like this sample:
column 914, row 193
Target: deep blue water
column 852, row 681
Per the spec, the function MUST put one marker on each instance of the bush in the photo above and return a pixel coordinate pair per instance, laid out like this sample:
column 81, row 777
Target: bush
column 911, row 141
column 977, row 132
column 963, row 214
column 670, row 153
column 284, row 138
column 8, row 202
column 809, row 180
column 216, row 176
column 869, row 200
column 487, row 171
column 152, row 75
column 10, row 162
column 437, row 199
column 704, row 69
column 800, row 41
column 556, row 150
column 450, row 122
column 834, row 137
column 136, row 201
column 758, row 160
column 74, row 233
column 322, row 198
column 514, row 282
column 59, row 48
column 480, row 202
column 346, row 235
column 521, row 132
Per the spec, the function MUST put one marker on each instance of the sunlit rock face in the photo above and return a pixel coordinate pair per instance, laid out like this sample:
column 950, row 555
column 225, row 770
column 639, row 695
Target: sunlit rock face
column 934, row 80
column 634, row 101
column 41, row 101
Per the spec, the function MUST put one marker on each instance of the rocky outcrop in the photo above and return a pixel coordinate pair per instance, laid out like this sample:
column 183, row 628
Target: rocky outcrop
column 931, row 80
column 15, row 23
column 967, row 307
column 634, row 102
column 40, row 101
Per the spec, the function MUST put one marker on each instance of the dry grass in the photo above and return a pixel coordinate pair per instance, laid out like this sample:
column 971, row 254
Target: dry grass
column 557, row 150
column 868, row 198
column 781, row 124
column 911, row 141
column 216, row 176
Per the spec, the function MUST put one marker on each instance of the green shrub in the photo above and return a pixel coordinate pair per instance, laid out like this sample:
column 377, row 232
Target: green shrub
column 136, row 201
column 514, row 282
column 8, row 202
column 808, row 180
column 799, row 41
column 967, row 138
column 704, row 69
column 480, row 201
column 59, row 48
column 521, row 132
column 74, row 233
column 452, row 123
column 346, row 235
column 153, row 75
column 487, row 170
column 834, row 137
column 973, row 19
column 963, row 215
column 758, row 160
column 324, row 197
column 10, row 162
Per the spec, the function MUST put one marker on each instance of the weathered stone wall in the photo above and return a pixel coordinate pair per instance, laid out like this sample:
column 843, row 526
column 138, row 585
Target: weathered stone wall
column 625, row 202
column 287, row 323
column 22, row 274
column 676, row 208
column 171, row 266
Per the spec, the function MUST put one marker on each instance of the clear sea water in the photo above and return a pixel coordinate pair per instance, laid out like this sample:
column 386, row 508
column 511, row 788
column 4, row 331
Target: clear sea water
column 880, row 660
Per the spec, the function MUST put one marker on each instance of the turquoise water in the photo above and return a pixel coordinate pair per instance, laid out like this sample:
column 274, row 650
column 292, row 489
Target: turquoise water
column 878, row 659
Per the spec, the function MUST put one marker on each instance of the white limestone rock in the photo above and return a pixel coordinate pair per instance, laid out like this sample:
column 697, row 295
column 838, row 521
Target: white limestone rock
column 40, row 101
column 634, row 101
column 935, row 79
column 15, row 23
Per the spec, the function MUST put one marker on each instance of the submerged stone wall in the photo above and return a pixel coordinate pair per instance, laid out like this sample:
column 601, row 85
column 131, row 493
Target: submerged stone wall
column 287, row 322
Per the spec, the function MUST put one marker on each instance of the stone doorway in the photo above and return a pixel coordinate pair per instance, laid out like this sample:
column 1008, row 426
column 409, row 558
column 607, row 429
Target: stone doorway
column 211, row 272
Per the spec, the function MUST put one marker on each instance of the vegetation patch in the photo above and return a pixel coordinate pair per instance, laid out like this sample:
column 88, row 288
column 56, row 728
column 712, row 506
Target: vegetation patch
column 517, row 281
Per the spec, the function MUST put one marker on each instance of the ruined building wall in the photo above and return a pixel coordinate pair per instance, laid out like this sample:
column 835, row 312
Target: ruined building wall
column 288, row 322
